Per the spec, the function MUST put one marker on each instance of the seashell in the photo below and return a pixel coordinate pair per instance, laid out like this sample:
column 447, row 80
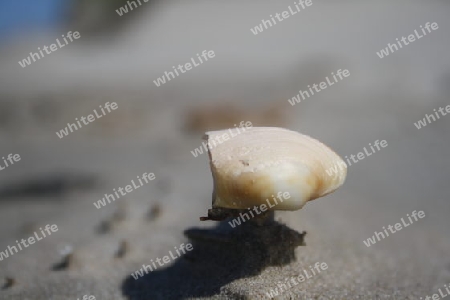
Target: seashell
column 254, row 165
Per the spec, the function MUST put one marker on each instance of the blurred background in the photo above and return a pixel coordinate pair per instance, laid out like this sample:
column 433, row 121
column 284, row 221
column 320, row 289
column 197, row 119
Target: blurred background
column 154, row 129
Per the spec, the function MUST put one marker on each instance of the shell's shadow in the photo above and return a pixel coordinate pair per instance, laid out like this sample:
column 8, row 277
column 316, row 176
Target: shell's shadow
column 219, row 256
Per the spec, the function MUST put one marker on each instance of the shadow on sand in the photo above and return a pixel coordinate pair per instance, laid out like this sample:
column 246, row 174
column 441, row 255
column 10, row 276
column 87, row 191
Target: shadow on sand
column 220, row 255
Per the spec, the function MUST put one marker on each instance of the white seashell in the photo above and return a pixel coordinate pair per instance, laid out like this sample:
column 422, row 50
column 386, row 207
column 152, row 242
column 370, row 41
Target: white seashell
column 255, row 164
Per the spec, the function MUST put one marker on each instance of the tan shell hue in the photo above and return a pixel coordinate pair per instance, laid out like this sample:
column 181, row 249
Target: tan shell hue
column 254, row 164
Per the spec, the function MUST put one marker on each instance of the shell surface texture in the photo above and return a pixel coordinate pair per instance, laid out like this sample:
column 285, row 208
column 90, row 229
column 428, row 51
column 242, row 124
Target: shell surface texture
column 256, row 164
